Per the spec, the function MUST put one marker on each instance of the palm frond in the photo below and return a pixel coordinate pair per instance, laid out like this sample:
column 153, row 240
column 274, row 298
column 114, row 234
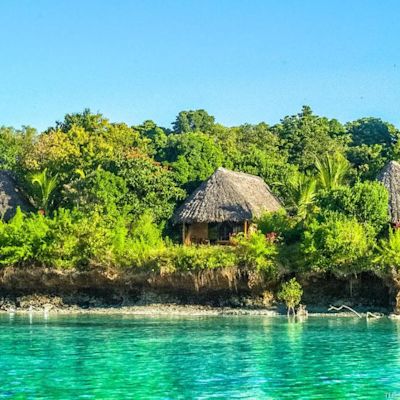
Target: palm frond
column 47, row 185
column 331, row 171
column 302, row 192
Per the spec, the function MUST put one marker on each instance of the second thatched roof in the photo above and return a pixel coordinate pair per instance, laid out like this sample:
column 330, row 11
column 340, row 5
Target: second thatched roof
column 390, row 178
column 10, row 196
column 227, row 196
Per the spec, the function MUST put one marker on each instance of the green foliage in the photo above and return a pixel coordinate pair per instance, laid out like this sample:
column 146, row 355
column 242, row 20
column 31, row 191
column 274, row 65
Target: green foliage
column 113, row 187
column 99, row 190
column 149, row 186
column 198, row 258
column 47, row 185
column 388, row 251
column 371, row 131
column 82, row 141
column 256, row 252
column 193, row 121
column 367, row 160
column 193, row 157
column 21, row 239
column 72, row 241
column 157, row 138
column 77, row 240
column 139, row 246
column 291, row 293
column 306, row 136
column 331, row 171
column 271, row 166
column 255, row 149
column 280, row 223
column 366, row 201
column 373, row 143
column 338, row 244
column 14, row 144
column 301, row 195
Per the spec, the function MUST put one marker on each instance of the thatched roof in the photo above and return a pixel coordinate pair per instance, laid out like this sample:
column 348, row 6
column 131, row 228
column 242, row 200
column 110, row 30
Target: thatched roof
column 10, row 196
column 390, row 177
column 227, row 196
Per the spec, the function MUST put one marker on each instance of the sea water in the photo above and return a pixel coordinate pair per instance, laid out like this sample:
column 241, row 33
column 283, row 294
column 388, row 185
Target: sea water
column 247, row 357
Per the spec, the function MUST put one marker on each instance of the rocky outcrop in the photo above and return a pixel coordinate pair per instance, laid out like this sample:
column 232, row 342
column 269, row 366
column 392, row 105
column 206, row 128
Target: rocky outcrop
column 38, row 288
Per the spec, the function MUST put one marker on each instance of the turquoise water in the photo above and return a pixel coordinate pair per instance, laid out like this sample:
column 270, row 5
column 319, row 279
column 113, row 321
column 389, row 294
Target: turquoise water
column 126, row 357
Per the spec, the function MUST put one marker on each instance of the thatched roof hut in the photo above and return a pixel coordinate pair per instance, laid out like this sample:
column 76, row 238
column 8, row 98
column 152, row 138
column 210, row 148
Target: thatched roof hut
column 390, row 178
column 10, row 196
column 226, row 197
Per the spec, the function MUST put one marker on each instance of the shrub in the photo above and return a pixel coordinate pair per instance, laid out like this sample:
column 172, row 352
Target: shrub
column 99, row 190
column 138, row 246
column 291, row 293
column 389, row 251
column 196, row 258
column 22, row 238
column 280, row 223
column 76, row 241
column 256, row 252
column 365, row 201
column 338, row 244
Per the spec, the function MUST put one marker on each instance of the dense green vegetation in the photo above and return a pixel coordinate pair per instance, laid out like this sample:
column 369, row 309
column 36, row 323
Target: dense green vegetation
column 106, row 192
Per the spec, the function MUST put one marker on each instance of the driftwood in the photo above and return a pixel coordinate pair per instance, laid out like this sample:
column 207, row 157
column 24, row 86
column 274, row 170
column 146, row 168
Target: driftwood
column 374, row 315
column 368, row 315
column 346, row 307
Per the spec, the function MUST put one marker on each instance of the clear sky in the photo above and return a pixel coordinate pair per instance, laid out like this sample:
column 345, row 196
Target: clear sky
column 242, row 61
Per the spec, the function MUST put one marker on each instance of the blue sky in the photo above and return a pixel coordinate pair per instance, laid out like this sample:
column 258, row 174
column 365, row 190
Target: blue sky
column 242, row 61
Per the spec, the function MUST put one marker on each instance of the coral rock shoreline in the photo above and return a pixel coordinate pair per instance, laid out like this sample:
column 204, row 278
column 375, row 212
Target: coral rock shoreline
column 53, row 305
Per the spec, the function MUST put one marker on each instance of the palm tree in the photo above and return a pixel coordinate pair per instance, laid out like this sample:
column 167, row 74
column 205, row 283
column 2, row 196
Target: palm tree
column 302, row 192
column 47, row 184
column 331, row 171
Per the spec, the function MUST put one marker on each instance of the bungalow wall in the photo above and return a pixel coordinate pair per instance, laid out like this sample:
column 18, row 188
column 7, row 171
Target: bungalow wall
column 197, row 233
column 203, row 233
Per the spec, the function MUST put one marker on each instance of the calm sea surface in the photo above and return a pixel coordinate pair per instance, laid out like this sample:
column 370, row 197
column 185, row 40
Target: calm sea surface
column 126, row 357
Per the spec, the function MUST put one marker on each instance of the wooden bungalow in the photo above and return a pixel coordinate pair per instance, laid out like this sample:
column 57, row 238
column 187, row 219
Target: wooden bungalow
column 10, row 196
column 224, row 205
column 390, row 178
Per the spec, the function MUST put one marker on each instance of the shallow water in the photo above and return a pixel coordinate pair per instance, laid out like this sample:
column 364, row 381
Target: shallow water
column 127, row 357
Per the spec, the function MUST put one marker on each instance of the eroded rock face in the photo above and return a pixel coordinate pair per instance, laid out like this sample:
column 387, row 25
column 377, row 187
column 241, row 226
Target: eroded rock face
column 392, row 281
column 48, row 289
column 35, row 301
column 103, row 283
column 38, row 288
column 397, row 305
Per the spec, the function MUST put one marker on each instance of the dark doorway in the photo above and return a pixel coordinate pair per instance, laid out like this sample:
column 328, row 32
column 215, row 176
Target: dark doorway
column 221, row 232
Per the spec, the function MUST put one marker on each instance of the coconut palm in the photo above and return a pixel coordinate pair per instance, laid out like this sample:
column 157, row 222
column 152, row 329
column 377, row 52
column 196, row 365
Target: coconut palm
column 331, row 171
column 302, row 192
column 47, row 184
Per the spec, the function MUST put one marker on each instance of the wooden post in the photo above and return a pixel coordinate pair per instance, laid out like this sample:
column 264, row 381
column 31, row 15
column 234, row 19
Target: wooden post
column 246, row 227
column 183, row 234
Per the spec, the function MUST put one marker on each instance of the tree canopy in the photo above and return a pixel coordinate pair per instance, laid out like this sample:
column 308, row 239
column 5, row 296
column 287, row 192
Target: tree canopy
column 96, row 180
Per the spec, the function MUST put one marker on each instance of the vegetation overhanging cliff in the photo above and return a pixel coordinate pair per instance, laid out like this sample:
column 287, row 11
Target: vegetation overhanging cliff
column 106, row 192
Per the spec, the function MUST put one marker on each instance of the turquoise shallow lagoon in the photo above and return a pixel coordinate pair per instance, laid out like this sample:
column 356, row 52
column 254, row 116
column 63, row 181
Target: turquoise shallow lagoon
column 127, row 357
